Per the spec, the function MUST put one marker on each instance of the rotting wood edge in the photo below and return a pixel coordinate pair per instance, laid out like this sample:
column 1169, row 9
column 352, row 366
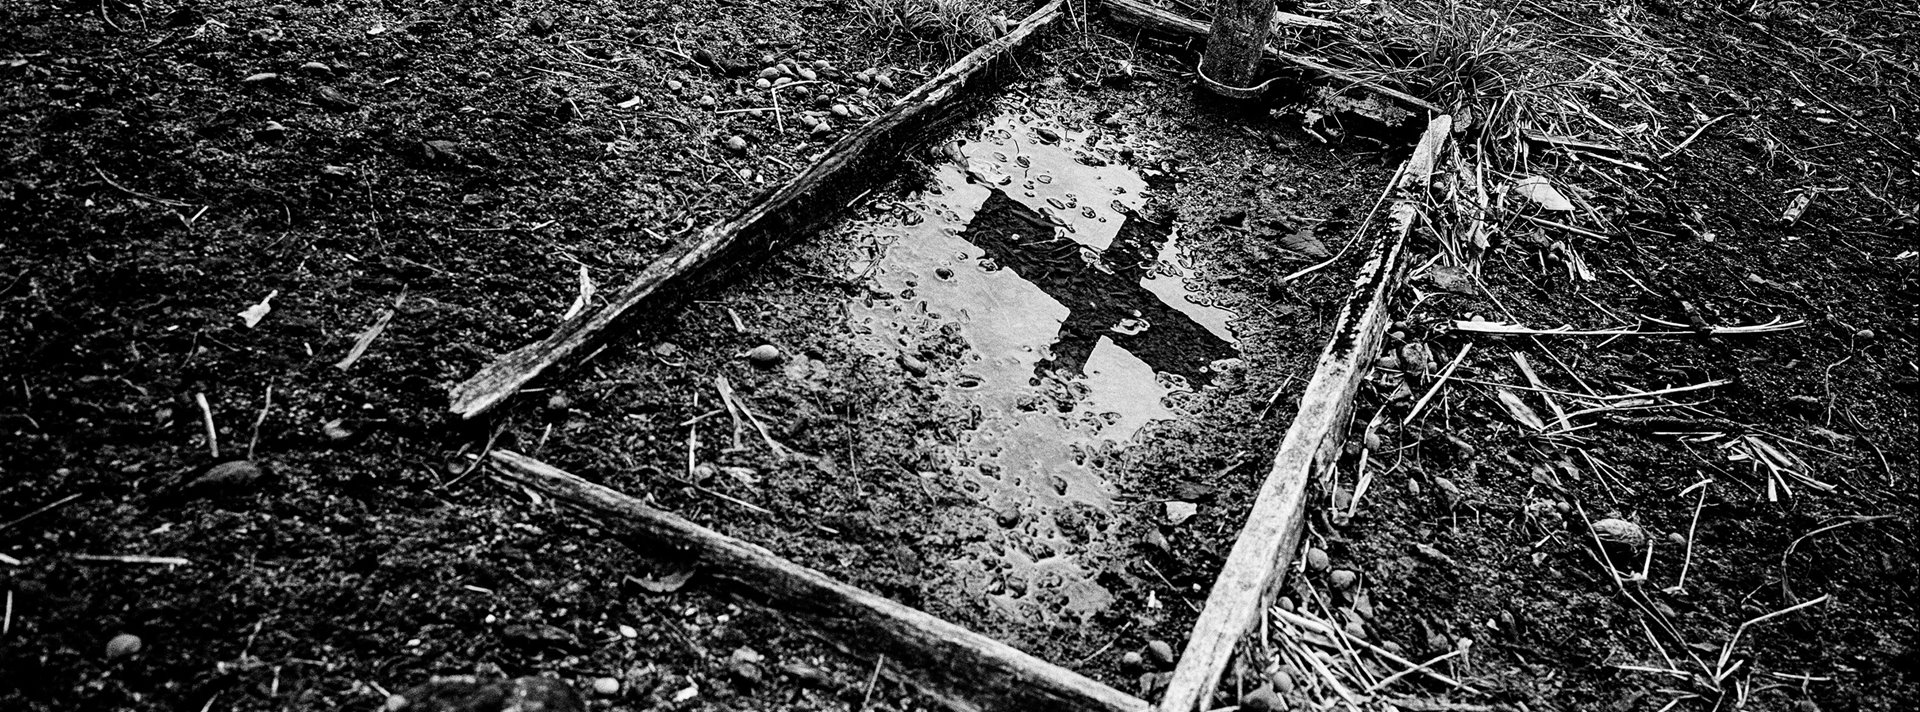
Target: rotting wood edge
column 1265, row 547
column 505, row 376
column 965, row 670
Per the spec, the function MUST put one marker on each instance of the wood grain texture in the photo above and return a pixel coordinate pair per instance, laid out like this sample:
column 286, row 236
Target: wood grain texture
column 821, row 190
column 1266, row 545
column 1138, row 12
column 967, row 671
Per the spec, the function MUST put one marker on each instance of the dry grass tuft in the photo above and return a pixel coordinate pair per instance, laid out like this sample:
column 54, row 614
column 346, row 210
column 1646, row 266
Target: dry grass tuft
column 951, row 27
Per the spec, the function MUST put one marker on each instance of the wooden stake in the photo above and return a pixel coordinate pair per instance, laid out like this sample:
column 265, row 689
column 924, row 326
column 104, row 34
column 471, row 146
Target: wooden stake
column 965, row 670
column 762, row 225
column 1234, row 43
column 1265, row 547
column 1138, row 12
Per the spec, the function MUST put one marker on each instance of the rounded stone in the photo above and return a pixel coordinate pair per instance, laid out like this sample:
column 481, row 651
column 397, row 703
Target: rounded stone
column 764, row 355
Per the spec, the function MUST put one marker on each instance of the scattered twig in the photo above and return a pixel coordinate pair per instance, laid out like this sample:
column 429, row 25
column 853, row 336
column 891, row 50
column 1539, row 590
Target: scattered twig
column 257, row 422
column 1437, row 383
column 56, row 504
column 131, row 559
column 206, row 420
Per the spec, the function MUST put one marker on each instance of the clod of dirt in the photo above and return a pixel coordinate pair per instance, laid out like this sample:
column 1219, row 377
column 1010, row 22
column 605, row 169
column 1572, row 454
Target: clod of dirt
column 1160, row 653
column 1317, row 560
column 465, row 693
column 1433, row 555
column 1263, row 699
column 123, row 645
column 331, row 98
column 764, row 355
column 1342, row 579
column 227, row 479
column 1416, row 358
column 1619, row 538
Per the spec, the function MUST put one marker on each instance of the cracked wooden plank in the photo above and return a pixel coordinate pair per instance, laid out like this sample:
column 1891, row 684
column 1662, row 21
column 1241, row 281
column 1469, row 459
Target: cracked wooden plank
column 1266, row 544
column 965, row 670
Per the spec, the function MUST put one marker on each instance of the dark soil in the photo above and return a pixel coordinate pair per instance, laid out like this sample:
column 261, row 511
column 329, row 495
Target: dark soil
column 452, row 169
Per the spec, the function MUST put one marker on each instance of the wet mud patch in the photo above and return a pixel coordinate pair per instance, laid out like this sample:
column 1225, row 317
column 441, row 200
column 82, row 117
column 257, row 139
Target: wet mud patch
column 1035, row 285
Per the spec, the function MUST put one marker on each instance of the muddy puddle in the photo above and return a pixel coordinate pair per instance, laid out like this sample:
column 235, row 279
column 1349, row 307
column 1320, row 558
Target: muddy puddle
column 1034, row 284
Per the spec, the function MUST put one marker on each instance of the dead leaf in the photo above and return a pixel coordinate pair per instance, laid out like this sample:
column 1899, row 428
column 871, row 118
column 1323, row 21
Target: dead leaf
column 1520, row 410
column 668, row 582
column 1539, row 190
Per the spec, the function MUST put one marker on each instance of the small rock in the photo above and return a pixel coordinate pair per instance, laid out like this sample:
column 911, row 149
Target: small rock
column 675, row 85
column 559, row 402
column 1263, row 699
column 1865, row 335
column 841, row 110
column 914, row 365
column 1179, row 512
column 764, row 355
column 606, row 687
column 1132, row 661
column 1620, row 539
column 823, row 128
column 272, row 131
column 1677, row 538
column 736, row 144
column 1317, row 560
column 123, row 645
column 762, row 84
column 1281, row 680
column 1161, row 653
column 1342, row 579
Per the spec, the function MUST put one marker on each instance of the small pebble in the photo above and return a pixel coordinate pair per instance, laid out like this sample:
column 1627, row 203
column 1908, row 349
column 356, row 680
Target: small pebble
column 1262, row 700
column 762, row 84
column 764, row 355
column 1317, row 559
column 841, row 110
column 1865, row 335
column 123, row 645
column 675, row 85
column 1342, row 579
column 1677, row 538
column 1161, row 653
column 1132, row 661
column 737, row 144
column 606, row 687
column 704, row 102
column 769, row 73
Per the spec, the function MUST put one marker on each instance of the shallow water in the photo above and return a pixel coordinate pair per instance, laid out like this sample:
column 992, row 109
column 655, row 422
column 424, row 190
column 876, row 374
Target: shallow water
column 1034, row 283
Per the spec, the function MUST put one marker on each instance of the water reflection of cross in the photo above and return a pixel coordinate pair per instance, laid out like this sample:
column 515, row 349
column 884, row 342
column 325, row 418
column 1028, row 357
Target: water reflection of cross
column 1098, row 300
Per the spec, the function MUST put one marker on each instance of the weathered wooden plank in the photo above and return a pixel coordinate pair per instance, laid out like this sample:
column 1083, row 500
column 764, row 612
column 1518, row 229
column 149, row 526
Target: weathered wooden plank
column 767, row 223
column 1138, row 12
column 965, row 670
column 1265, row 547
